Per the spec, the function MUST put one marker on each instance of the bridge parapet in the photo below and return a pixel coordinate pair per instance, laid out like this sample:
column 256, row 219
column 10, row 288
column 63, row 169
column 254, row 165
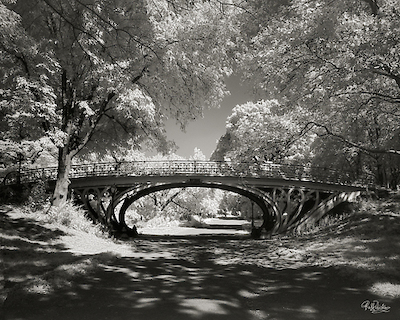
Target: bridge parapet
column 193, row 167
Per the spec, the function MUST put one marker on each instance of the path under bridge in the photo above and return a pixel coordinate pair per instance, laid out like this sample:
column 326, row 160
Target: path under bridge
column 290, row 196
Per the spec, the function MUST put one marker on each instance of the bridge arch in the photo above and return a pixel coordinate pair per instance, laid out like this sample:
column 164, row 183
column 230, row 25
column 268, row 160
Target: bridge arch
column 263, row 200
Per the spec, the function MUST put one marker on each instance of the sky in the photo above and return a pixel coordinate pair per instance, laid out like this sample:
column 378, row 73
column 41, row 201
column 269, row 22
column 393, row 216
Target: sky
column 204, row 133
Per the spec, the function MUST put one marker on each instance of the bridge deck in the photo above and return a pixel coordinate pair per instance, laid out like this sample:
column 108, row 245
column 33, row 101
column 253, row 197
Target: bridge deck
column 202, row 180
column 254, row 173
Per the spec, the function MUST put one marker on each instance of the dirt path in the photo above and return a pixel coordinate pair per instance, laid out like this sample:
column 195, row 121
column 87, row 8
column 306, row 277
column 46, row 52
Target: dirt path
column 175, row 277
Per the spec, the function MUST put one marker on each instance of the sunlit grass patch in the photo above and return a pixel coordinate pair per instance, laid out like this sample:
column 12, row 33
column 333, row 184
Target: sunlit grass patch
column 386, row 289
column 160, row 221
column 63, row 275
column 39, row 286
column 35, row 244
column 367, row 219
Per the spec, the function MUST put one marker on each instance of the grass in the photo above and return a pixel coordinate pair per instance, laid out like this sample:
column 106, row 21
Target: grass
column 34, row 248
column 68, row 215
column 366, row 242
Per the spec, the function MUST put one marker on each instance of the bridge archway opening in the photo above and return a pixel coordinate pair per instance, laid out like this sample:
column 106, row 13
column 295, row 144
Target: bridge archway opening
column 189, row 206
column 264, row 206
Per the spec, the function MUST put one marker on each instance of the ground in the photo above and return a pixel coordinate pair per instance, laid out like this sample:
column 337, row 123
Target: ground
column 349, row 270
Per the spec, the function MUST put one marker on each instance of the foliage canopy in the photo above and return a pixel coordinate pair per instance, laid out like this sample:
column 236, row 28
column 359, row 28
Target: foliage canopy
column 338, row 61
column 92, row 74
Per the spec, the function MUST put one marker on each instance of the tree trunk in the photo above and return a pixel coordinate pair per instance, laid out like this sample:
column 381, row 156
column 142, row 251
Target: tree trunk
column 69, row 126
column 60, row 194
column 381, row 175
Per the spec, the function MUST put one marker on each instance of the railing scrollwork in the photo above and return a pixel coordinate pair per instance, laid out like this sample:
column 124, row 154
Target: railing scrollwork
column 193, row 167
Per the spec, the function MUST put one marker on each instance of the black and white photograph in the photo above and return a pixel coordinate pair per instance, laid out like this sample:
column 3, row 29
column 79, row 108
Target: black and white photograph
column 200, row 159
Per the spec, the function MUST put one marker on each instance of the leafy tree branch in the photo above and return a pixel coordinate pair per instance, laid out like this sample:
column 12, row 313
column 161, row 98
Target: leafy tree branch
column 328, row 132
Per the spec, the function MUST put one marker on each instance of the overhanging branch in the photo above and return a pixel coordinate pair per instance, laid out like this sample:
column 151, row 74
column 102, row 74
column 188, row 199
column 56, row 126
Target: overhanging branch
column 98, row 117
column 328, row 132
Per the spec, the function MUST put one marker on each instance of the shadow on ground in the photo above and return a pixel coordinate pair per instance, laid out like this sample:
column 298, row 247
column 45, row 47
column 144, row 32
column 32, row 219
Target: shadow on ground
column 26, row 251
column 30, row 252
column 184, row 278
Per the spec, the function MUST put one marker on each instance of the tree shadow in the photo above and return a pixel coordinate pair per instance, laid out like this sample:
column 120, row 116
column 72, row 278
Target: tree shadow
column 25, row 248
column 199, row 278
column 371, row 240
column 29, row 251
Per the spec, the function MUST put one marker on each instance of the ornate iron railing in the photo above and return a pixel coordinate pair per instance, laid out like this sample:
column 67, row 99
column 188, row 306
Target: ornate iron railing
column 192, row 167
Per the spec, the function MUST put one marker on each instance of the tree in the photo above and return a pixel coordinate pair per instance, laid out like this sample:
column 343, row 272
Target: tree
column 236, row 204
column 257, row 132
column 100, row 74
column 337, row 60
column 198, row 155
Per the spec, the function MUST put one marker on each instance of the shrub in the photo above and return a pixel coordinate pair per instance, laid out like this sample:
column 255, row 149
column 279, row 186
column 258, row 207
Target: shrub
column 74, row 217
column 15, row 194
column 38, row 196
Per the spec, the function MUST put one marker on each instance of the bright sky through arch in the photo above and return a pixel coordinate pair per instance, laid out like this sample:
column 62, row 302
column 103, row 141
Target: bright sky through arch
column 204, row 133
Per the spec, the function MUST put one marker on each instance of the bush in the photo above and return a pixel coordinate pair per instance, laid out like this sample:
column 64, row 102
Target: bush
column 38, row 196
column 16, row 194
column 161, row 221
column 74, row 217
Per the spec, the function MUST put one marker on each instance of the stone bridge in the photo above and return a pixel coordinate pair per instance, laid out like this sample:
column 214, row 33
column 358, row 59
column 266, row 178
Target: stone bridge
column 290, row 196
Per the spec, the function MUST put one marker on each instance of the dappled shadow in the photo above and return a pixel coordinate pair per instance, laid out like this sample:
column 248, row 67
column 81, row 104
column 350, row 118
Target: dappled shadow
column 368, row 240
column 29, row 250
column 25, row 248
column 199, row 278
